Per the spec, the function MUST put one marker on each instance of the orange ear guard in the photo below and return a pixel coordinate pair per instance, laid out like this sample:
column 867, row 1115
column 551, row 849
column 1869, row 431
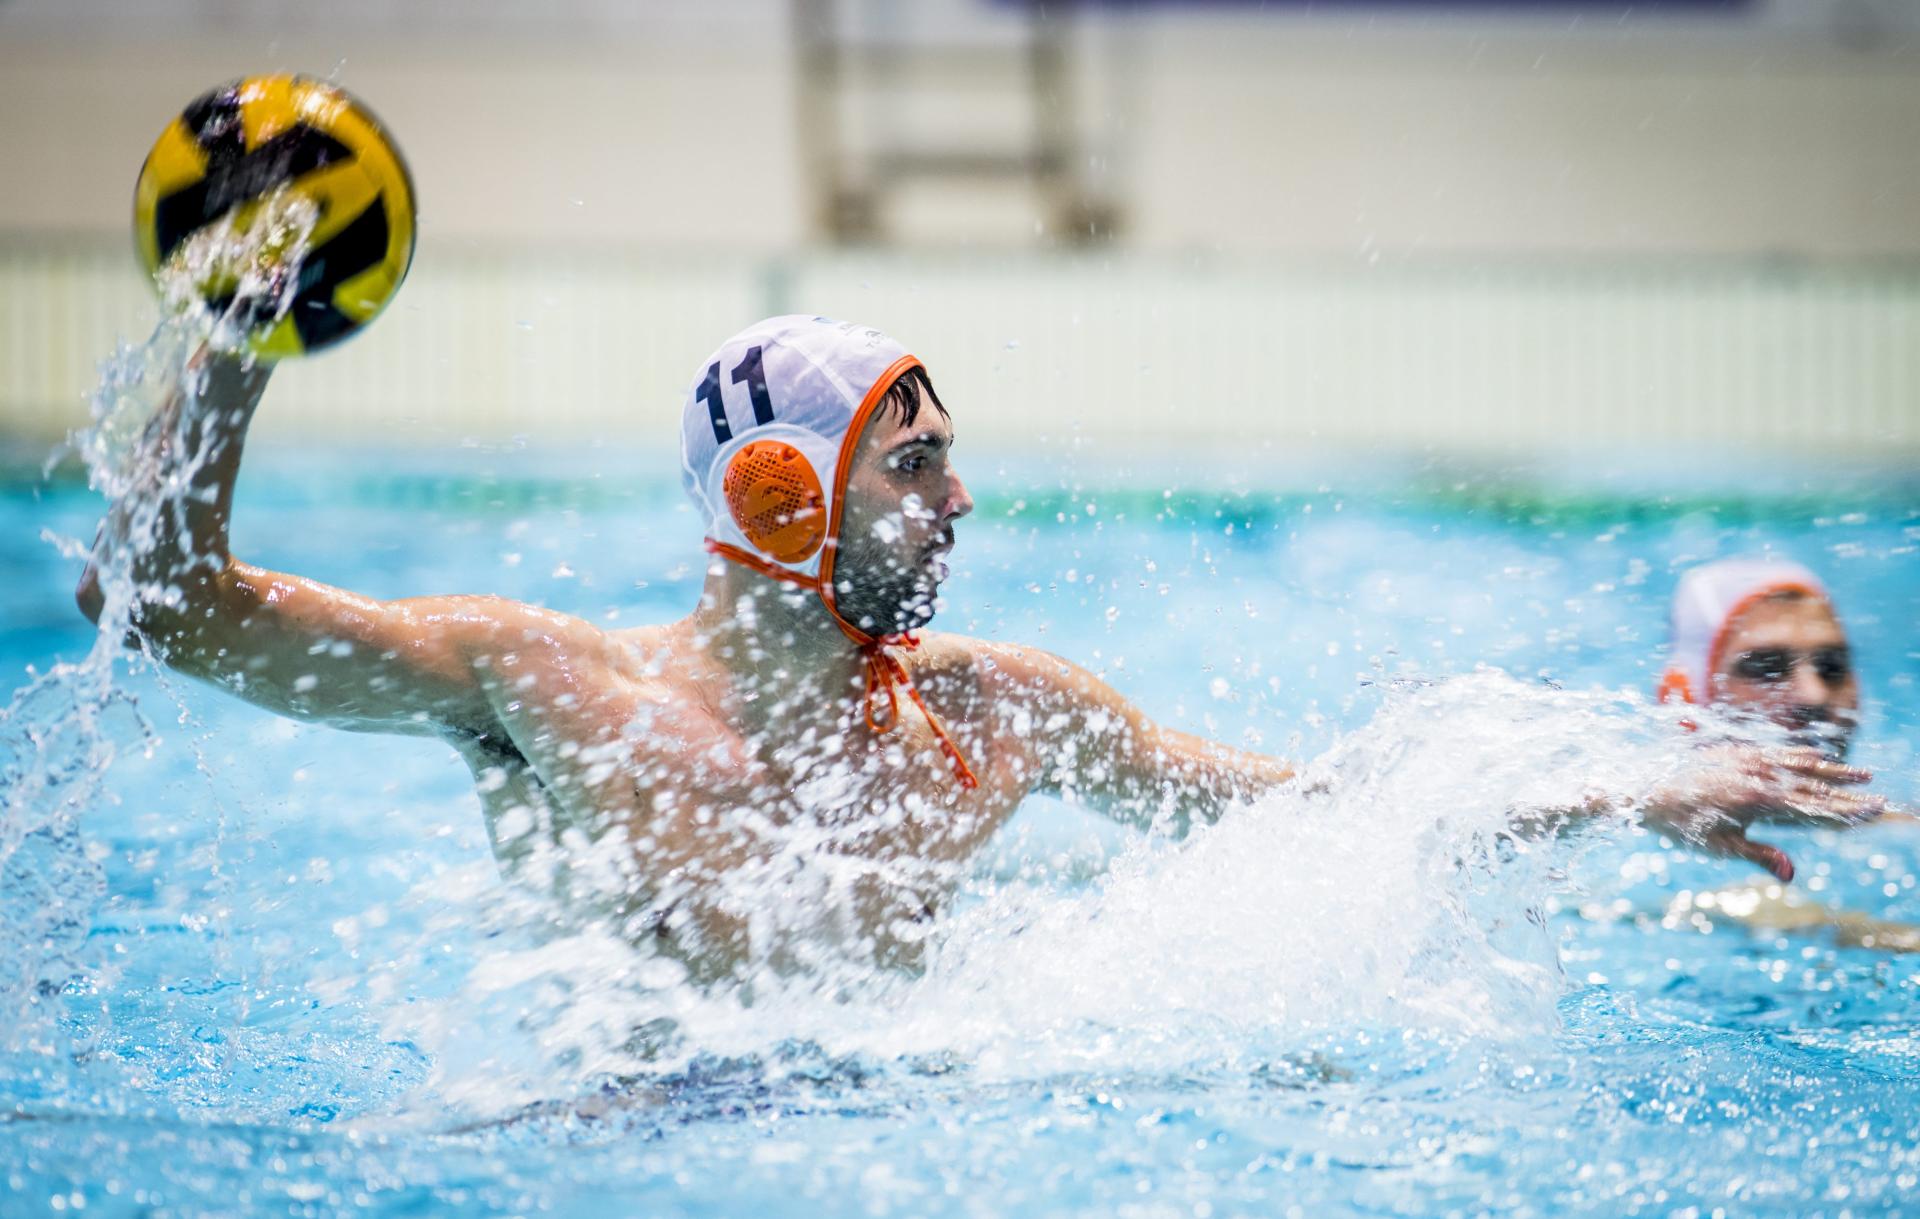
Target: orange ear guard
column 775, row 498
column 1674, row 685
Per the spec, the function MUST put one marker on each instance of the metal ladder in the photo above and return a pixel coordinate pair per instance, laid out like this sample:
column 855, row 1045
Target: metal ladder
column 850, row 181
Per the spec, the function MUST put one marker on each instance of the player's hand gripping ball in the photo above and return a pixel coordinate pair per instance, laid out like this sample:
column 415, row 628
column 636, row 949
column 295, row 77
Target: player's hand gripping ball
column 280, row 202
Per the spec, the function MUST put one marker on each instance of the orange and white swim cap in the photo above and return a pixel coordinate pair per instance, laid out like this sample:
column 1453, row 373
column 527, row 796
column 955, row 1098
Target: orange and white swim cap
column 1705, row 604
column 768, row 430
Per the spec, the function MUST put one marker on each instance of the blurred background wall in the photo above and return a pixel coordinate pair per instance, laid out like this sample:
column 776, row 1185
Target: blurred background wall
column 1535, row 225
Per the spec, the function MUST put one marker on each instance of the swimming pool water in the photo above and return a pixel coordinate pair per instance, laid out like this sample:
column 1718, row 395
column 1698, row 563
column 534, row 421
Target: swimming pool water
column 288, row 981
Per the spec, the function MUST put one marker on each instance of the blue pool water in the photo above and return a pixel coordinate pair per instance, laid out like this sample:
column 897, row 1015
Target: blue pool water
column 269, row 968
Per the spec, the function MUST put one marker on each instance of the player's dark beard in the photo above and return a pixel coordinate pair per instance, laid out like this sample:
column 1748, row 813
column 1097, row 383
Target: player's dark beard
column 878, row 593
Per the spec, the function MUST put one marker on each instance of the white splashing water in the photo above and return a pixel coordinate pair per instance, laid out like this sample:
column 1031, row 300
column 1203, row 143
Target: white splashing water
column 60, row 734
column 1387, row 890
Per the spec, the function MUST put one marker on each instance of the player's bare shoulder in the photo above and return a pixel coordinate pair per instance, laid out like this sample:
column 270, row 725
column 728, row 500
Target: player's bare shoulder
column 538, row 662
column 1021, row 672
column 978, row 684
column 583, row 705
column 951, row 665
column 494, row 626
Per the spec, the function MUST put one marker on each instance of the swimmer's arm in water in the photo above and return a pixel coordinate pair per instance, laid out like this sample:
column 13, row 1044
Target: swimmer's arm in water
column 1712, row 806
column 285, row 643
column 1087, row 743
column 1739, row 786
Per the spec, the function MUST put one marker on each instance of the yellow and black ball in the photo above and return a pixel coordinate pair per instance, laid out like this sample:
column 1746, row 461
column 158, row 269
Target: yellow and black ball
column 241, row 146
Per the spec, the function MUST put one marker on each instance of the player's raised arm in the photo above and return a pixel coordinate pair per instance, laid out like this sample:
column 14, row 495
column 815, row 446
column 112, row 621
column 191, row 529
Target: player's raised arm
column 1088, row 743
column 283, row 642
column 257, row 198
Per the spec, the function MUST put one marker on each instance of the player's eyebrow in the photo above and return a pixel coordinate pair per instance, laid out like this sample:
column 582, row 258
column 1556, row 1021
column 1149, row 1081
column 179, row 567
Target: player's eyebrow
column 928, row 439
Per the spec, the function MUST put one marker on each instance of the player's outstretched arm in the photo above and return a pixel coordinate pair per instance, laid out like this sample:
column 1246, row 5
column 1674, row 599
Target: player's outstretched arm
column 1734, row 787
column 1727, row 789
column 1087, row 743
column 289, row 644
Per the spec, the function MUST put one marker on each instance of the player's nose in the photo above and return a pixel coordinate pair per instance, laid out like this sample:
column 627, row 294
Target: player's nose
column 1809, row 689
column 958, row 501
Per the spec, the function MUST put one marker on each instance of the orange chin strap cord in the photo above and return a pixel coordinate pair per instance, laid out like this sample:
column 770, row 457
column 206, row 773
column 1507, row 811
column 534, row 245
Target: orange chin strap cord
column 885, row 673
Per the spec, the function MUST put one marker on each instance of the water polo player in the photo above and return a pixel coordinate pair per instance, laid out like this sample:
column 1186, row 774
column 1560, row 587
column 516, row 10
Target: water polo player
column 791, row 750
column 1760, row 638
column 1762, row 635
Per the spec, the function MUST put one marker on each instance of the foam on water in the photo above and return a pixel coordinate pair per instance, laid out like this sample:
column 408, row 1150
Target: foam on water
column 61, row 732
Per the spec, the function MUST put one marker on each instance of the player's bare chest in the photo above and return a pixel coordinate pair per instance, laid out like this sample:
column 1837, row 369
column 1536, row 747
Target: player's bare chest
column 847, row 791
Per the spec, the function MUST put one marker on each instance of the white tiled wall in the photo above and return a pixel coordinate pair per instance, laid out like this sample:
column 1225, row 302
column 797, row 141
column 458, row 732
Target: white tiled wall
column 1453, row 356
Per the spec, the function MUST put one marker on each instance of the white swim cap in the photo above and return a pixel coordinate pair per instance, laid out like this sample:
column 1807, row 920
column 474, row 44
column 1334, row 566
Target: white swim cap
column 1705, row 604
column 768, row 432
